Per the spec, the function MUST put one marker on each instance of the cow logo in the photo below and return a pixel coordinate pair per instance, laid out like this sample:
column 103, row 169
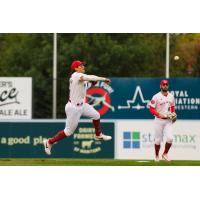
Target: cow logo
column 99, row 97
column 87, row 144
column 138, row 102
column 84, row 142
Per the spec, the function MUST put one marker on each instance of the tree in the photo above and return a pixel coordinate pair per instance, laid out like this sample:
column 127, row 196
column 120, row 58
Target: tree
column 30, row 55
column 187, row 47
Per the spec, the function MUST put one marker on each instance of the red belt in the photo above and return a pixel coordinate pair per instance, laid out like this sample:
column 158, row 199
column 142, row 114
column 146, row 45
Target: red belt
column 78, row 104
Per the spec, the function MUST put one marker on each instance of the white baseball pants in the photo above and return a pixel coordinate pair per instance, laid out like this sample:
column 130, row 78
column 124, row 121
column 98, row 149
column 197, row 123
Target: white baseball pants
column 74, row 113
column 163, row 127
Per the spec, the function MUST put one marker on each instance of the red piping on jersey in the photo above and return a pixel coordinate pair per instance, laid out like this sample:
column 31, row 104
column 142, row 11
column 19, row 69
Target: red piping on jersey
column 154, row 112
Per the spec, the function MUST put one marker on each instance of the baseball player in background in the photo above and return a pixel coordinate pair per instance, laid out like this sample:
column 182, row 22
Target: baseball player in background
column 162, row 106
column 77, row 107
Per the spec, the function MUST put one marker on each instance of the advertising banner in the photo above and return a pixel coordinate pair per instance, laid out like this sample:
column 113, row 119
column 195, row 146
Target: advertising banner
column 128, row 98
column 24, row 140
column 135, row 140
column 15, row 98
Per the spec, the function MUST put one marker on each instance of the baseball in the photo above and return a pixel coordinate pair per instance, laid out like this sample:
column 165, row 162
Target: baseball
column 176, row 57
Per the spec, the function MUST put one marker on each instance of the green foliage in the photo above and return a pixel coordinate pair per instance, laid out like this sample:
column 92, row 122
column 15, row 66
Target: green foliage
column 187, row 47
column 119, row 55
column 30, row 55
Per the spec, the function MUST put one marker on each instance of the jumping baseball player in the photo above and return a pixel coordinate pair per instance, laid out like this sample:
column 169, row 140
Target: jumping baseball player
column 162, row 106
column 77, row 107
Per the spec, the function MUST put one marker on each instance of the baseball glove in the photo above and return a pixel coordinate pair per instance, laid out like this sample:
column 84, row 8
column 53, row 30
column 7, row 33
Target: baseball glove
column 172, row 116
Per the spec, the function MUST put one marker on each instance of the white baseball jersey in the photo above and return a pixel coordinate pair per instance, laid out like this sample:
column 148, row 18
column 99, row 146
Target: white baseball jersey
column 162, row 103
column 162, row 127
column 77, row 88
column 76, row 107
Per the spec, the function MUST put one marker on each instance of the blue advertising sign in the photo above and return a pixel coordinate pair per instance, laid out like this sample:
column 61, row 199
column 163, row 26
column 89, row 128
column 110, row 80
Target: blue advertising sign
column 128, row 98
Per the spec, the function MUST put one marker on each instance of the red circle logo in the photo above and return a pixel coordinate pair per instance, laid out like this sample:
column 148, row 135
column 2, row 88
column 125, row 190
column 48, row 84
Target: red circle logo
column 98, row 97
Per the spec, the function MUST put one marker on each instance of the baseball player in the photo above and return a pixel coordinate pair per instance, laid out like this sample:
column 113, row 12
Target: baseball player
column 77, row 107
column 162, row 106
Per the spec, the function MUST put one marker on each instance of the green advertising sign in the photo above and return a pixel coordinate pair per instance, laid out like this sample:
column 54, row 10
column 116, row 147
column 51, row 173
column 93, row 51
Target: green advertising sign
column 24, row 140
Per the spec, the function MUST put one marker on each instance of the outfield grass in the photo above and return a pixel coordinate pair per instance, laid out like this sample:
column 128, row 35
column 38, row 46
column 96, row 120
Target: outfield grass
column 92, row 162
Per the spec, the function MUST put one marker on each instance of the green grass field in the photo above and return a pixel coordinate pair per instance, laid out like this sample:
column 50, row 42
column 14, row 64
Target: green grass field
column 92, row 162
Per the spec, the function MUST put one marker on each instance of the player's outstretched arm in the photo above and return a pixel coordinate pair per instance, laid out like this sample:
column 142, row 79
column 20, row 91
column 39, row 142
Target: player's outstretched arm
column 94, row 78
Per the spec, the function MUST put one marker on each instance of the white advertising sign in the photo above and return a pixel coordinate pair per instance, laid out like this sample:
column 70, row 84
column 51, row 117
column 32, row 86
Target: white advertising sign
column 15, row 98
column 135, row 140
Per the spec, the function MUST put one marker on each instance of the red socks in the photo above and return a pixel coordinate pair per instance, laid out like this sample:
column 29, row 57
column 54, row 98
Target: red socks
column 59, row 136
column 97, row 127
column 167, row 147
column 157, row 149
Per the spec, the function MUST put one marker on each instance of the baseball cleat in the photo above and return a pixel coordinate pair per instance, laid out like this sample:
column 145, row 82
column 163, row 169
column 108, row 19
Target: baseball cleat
column 47, row 147
column 157, row 159
column 165, row 157
column 103, row 137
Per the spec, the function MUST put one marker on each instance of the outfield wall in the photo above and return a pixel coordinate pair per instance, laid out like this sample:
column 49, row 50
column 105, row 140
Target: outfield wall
column 23, row 139
column 135, row 140
column 132, row 139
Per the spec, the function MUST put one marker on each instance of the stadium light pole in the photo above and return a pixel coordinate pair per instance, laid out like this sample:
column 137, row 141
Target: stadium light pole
column 54, row 74
column 167, row 54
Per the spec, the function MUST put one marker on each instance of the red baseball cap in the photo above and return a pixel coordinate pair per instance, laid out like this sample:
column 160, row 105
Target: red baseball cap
column 164, row 81
column 76, row 63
